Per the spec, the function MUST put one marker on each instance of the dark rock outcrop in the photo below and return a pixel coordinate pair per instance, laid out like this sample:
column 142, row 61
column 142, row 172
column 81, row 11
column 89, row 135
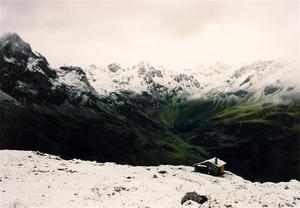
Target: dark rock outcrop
column 193, row 196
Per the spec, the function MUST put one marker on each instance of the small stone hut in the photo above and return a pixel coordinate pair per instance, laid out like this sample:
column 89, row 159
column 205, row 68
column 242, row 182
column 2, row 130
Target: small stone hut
column 213, row 166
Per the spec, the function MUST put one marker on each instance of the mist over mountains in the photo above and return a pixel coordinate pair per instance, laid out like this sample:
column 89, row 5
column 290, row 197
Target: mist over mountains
column 146, row 115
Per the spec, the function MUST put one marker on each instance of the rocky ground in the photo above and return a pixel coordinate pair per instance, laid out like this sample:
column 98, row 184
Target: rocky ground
column 33, row 179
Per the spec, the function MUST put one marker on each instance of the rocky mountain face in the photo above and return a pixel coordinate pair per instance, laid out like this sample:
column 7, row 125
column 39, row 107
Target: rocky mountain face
column 150, row 115
column 27, row 76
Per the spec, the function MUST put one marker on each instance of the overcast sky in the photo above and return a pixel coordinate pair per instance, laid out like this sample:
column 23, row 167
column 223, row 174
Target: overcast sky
column 174, row 34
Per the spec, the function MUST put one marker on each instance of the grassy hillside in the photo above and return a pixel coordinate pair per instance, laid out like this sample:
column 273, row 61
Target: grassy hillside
column 259, row 141
column 187, row 115
column 101, row 134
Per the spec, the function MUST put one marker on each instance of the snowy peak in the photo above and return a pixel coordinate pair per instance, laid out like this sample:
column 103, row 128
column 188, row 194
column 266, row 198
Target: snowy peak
column 267, row 81
column 267, row 72
column 259, row 81
column 142, row 77
column 74, row 83
column 24, row 75
column 12, row 42
column 27, row 76
column 73, row 76
column 15, row 51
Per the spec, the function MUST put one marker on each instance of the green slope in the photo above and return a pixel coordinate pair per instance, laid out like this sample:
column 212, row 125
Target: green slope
column 100, row 133
column 259, row 141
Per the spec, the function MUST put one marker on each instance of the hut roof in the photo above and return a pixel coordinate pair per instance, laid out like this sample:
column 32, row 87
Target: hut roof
column 212, row 161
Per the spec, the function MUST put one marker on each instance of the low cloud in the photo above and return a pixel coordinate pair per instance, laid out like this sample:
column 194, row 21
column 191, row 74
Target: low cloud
column 169, row 33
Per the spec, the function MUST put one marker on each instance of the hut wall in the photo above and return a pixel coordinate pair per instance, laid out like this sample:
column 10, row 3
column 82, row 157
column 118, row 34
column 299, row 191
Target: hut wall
column 213, row 169
column 221, row 170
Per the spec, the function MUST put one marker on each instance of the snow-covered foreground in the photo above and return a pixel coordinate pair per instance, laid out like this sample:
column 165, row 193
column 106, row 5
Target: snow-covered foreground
column 29, row 179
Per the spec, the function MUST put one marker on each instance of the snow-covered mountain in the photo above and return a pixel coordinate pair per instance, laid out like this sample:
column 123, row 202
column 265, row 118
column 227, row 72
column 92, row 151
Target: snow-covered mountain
column 268, row 81
column 27, row 76
column 145, row 77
